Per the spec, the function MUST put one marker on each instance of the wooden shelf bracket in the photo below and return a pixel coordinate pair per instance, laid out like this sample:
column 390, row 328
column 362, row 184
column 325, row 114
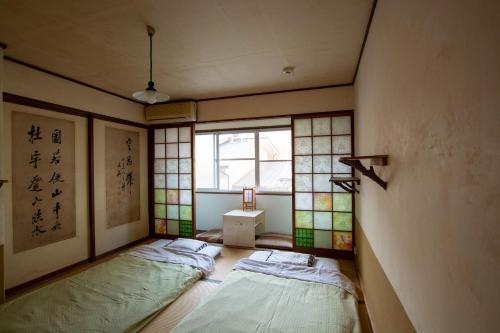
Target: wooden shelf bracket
column 379, row 160
column 347, row 183
column 2, row 181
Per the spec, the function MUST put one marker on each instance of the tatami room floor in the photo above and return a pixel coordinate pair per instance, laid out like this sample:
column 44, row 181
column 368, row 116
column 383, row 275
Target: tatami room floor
column 176, row 311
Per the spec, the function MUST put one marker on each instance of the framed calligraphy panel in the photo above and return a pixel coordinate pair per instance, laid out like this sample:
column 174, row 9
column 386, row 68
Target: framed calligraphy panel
column 122, row 176
column 43, row 180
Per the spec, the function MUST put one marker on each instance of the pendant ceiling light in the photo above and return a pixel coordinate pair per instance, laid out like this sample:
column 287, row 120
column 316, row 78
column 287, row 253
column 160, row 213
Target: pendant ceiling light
column 150, row 95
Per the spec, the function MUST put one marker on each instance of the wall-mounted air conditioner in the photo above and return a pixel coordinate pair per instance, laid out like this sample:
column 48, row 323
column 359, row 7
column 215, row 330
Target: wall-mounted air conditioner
column 171, row 113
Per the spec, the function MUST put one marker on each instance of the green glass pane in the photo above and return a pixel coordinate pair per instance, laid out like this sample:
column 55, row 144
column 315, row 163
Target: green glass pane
column 173, row 212
column 186, row 228
column 173, row 196
column 173, row 227
column 322, row 239
column 323, row 201
column 302, row 127
column 323, row 220
column 160, row 226
column 342, row 202
column 185, row 213
column 159, row 196
column 303, row 219
column 342, row 241
column 160, row 211
column 342, row 221
column 304, row 237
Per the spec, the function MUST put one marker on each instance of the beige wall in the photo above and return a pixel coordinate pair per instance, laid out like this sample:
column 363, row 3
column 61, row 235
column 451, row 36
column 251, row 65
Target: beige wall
column 307, row 101
column 26, row 265
column 427, row 93
column 109, row 239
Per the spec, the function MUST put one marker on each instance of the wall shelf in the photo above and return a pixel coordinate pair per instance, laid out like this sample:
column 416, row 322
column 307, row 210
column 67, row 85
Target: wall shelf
column 347, row 183
column 377, row 160
column 2, row 181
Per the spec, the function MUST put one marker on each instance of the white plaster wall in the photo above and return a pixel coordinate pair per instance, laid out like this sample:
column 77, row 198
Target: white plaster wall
column 306, row 101
column 28, row 82
column 427, row 94
column 109, row 239
column 26, row 265
column 210, row 208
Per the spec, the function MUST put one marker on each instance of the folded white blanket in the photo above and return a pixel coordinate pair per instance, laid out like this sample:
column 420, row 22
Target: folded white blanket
column 202, row 261
column 298, row 272
column 292, row 258
column 187, row 244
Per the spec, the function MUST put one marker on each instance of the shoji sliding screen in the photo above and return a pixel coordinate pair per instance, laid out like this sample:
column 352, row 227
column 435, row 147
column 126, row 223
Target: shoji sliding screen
column 173, row 181
column 323, row 212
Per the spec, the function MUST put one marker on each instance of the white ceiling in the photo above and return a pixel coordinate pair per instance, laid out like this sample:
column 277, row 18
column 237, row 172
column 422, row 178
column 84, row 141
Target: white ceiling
column 202, row 48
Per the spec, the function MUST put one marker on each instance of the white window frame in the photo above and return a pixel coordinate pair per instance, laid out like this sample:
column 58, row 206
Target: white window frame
column 256, row 158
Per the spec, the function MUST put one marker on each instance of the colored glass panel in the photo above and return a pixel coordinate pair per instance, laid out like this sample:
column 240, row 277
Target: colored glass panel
column 172, row 197
column 185, row 165
column 342, row 221
column 303, row 219
column 342, row 241
column 341, row 144
column 303, row 146
column 303, row 164
column 159, row 181
column 342, row 202
column 322, row 183
column 172, row 150
column 160, row 212
column 321, row 126
column 185, row 181
column 185, row 134
column 159, row 166
column 302, row 127
column 303, row 201
column 185, row 197
column 185, row 213
column 172, row 165
column 160, row 135
column 303, row 183
column 160, row 226
column 304, row 237
column 173, row 227
column 322, row 145
column 171, row 135
column 159, row 151
column 184, row 150
column 322, row 164
column 172, row 181
column 341, row 125
column 322, row 239
column 159, row 196
column 186, row 228
column 323, row 220
column 173, row 212
column 323, row 201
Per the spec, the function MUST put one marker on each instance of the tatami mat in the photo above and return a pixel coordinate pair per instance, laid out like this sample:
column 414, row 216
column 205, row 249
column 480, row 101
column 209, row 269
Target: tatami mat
column 183, row 305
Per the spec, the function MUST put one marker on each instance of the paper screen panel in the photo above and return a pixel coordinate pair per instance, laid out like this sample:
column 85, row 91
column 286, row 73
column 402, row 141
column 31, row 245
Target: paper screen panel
column 321, row 126
column 172, row 181
column 341, row 125
column 303, row 219
column 302, row 127
column 303, row 183
column 342, row 240
column 303, row 164
column 323, row 220
column 322, row 239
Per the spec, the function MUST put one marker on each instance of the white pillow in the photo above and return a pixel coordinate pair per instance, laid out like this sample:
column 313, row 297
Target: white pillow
column 187, row 244
column 260, row 255
column 327, row 264
column 212, row 251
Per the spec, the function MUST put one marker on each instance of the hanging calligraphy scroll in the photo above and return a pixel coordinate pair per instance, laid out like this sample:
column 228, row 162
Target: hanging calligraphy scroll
column 43, row 177
column 122, row 177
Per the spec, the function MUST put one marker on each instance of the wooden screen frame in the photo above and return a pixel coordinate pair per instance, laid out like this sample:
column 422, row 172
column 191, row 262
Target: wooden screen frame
column 151, row 159
column 333, row 253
